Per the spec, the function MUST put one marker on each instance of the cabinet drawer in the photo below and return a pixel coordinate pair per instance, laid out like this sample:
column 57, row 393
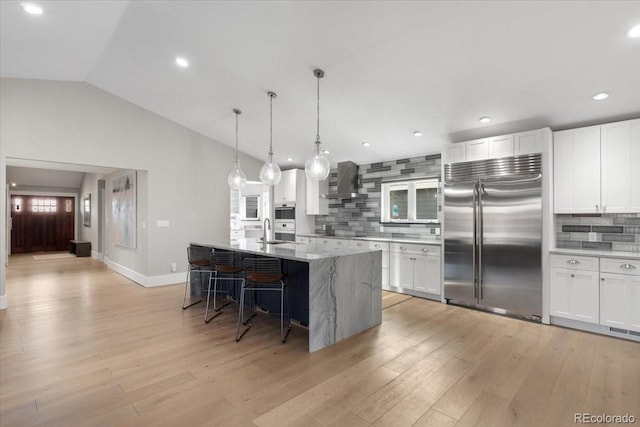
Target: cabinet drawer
column 620, row 265
column 575, row 262
column 408, row 248
column 327, row 241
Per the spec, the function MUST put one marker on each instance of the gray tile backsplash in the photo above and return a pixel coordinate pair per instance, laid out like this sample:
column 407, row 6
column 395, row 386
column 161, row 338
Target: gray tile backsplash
column 617, row 232
column 360, row 216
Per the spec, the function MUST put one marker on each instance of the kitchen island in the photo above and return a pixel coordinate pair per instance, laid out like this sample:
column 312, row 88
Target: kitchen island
column 341, row 288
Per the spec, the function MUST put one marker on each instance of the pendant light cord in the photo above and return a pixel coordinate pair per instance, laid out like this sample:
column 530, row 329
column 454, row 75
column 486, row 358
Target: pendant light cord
column 270, row 124
column 236, row 137
column 318, row 111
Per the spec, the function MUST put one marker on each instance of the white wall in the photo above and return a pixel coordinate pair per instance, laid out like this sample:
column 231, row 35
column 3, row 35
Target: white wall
column 185, row 178
column 89, row 186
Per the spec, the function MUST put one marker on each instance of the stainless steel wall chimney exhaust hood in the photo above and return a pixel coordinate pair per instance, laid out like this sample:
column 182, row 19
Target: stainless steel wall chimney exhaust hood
column 347, row 182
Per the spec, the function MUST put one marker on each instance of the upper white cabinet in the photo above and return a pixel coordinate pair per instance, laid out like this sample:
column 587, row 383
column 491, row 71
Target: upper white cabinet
column 595, row 169
column 317, row 203
column 576, row 170
column 494, row 147
column 620, row 163
column 285, row 191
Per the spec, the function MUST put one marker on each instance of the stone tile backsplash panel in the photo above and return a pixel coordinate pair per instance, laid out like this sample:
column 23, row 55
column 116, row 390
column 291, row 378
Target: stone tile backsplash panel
column 360, row 216
column 617, row 232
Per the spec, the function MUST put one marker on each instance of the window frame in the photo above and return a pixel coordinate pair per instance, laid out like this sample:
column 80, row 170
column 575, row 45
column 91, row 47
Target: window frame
column 411, row 185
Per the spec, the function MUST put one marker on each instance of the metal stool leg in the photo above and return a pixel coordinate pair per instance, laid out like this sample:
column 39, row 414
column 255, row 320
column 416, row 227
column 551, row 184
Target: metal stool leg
column 241, row 314
column 187, row 287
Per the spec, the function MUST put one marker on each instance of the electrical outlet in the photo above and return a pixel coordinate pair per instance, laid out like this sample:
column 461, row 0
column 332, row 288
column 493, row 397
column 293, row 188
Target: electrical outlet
column 437, row 231
column 174, row 267
column 593, row 236
column 324, row 227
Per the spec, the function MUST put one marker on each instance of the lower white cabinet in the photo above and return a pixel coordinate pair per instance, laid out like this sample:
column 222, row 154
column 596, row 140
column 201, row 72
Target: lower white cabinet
column 573, row 288
column 620, row 294
column 306, row 239
column 329, row 242
column 415, row 267
column 574, row 294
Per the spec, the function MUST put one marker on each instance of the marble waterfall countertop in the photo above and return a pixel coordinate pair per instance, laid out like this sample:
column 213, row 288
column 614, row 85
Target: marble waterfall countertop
column 344, row 285
column 293, row 251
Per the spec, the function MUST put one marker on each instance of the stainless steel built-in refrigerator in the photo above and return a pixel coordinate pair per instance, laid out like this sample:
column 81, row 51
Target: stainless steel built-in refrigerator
column 493, row 235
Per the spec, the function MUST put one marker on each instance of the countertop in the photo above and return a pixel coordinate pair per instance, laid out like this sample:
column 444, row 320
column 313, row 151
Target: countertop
column 379, row 239
column 293, row 251
column 602, row 254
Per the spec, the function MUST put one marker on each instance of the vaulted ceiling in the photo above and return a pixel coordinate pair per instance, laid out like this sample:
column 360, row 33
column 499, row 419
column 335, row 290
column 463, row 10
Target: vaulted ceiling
column 392, row 67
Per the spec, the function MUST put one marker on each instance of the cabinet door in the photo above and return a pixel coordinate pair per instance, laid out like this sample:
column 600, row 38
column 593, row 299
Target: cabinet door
column 454, row 153
column 501, row 146
column 613, row 300
column 477, row 149
column 620, row 151
column 585, row 296
column 317, row 203
column 576, row 168
column 634, row 304
column 401, row 270
column 426, row 274
column 574, row 294
column 560, row 287
column 285, row 191
column 527, row 142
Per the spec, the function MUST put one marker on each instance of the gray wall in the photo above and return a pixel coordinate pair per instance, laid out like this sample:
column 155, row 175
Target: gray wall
column 360, row 216
column 185, row 178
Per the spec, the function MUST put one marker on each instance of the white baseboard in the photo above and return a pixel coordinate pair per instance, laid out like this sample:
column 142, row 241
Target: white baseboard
column 3, row 302
column 146, row 281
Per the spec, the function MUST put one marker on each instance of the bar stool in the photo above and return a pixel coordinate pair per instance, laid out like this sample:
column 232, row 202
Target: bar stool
column 201, row 262
column 263, row 274
column 226, row 266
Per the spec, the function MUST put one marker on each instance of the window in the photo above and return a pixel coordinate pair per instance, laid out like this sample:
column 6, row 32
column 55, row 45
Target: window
column 250, row 208
column 44, row 205
column 410, row 201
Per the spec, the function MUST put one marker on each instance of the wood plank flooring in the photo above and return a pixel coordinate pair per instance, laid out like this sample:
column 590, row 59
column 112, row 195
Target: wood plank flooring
column 82, row 345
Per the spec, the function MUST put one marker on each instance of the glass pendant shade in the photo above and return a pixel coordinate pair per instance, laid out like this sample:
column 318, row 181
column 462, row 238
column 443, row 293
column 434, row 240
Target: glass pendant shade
column 270, row 173
column 237, row 179
column 317, row 167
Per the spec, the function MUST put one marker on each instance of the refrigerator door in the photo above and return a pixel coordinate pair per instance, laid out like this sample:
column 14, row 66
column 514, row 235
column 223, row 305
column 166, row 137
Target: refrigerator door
column 459, row 242
column 509, row 251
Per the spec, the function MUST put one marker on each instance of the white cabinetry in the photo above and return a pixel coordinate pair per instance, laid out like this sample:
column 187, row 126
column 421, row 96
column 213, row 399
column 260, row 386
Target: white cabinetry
column 620, row 156
column 574, row 292
column 595, row 169
column 494, row 147
column 317, row 203
column 576, row 170
column 620, row 294
column 285, row 191
column 415, row 267
column 306, row 240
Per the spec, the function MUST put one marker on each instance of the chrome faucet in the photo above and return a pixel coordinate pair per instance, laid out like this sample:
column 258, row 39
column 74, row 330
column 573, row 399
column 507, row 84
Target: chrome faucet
column 267, row 222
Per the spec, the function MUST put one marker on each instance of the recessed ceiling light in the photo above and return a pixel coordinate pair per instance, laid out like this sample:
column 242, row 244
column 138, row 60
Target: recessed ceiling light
column 32, row 9
column 485, row 119
column 326, row 151
column 366, row 144
column 634, row 32
column 13, row 184
column 182, row 62
column 289, row 159
column 417, row 133
column 600, row 96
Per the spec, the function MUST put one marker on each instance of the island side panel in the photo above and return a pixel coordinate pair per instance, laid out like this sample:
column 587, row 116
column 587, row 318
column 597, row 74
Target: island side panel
column 345, row 297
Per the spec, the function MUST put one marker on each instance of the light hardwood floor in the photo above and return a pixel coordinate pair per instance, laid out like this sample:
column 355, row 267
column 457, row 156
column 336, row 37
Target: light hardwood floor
column 81, row 345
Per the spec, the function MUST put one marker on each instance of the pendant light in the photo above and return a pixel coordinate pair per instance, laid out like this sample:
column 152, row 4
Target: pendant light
column 270, row 173
column 237, row 179
column 317, row 167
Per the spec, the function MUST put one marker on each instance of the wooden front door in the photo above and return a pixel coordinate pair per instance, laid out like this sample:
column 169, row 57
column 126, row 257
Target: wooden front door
column 41, row 223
